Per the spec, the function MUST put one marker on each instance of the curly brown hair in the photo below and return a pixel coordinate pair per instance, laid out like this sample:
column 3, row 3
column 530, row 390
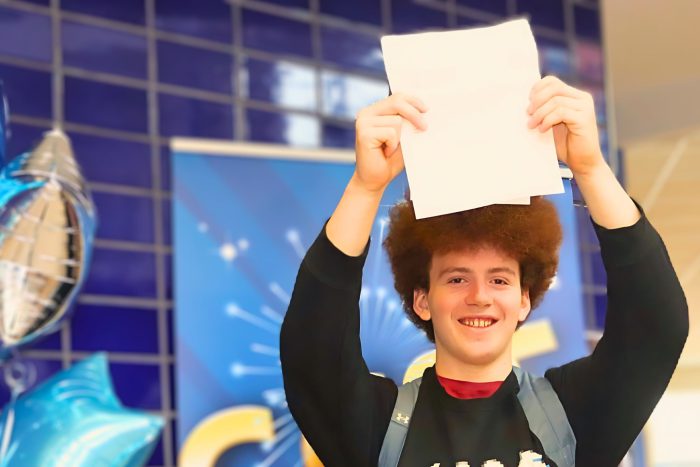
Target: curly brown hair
column 531, row 234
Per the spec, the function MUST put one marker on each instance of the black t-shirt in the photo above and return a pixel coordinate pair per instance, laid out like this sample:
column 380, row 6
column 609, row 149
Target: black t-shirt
column 344, row 410
column 468, row 430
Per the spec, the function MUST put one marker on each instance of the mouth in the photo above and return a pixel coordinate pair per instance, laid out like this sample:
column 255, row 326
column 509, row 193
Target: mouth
column 477, row 323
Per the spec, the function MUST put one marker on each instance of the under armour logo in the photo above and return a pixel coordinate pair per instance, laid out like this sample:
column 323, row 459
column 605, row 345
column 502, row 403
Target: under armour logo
column 402, row 418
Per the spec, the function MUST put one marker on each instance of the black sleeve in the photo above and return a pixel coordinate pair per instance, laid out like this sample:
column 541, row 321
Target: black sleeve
column 341, row 408
column 609, row 395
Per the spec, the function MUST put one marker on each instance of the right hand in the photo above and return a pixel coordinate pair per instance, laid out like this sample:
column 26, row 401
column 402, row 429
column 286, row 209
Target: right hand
column 377, row 142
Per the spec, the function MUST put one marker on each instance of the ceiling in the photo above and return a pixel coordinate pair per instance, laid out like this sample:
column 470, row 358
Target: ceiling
column 653, row 68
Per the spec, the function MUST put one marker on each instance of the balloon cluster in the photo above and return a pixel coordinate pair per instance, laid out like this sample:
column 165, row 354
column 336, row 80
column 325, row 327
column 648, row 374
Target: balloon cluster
column 47, row 227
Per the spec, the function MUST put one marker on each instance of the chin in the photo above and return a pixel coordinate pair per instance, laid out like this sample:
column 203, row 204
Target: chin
column 482, row 358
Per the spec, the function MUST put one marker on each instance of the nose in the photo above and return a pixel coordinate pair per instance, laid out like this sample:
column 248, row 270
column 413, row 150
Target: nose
column 478, row 295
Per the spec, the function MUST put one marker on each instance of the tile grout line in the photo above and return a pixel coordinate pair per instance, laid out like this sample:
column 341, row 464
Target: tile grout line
column 161, row 286
column 57, row 102
column 126, row 190
column 386, row 16
column 451, row 6
column 317, row 53
column 27, row 63
column 123, row 245
column 164, row 141
column 29, row 7
column 113, row 357
column 120, row 301
column 57, row 84
column 240, row 126
column 511, row 8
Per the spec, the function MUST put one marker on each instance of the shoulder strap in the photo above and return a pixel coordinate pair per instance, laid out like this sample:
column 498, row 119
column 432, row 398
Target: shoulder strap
column 398, row 426
column 546, row 417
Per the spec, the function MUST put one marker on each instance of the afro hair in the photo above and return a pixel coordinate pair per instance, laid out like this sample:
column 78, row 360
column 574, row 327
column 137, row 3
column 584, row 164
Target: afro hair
column 531, row 234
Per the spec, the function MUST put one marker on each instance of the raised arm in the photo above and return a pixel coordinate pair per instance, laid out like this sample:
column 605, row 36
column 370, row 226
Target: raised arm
column 379, row 161
column 341, row 408
column 609, row 395
column 570, row 113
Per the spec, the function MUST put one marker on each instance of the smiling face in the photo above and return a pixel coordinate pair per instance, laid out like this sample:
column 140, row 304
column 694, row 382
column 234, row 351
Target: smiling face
column 475, row 303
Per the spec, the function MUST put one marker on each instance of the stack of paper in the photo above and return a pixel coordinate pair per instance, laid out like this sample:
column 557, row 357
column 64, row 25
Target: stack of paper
column 478, row 149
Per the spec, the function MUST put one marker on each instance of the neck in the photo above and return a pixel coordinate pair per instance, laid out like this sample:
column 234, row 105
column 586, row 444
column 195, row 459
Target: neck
column 496, row 370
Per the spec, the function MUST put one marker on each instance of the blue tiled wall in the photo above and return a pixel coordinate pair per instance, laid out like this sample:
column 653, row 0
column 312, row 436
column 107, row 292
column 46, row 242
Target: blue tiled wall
column 123, row 76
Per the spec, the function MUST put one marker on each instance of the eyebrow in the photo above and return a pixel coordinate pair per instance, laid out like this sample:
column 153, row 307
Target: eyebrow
column 502, row 269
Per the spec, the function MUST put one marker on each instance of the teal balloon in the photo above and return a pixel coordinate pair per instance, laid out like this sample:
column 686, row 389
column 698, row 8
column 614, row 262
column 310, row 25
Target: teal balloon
column 10, row 188
column 74, row 419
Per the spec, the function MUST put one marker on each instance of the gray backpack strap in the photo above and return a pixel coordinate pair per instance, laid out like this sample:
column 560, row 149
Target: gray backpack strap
column 547, row 418
column 398, row 426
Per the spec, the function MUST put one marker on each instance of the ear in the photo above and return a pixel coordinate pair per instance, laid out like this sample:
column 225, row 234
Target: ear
column 420, row 304
column 524, row 306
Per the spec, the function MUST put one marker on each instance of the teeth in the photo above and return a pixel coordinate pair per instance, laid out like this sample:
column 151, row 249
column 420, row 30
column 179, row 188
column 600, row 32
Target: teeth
column 477, row 323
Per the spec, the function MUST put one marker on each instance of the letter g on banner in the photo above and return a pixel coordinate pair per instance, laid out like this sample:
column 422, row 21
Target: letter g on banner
column 226, row 429
column 223, row 430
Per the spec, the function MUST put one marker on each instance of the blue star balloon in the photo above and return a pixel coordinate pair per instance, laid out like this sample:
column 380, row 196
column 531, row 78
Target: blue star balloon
column 74, row 419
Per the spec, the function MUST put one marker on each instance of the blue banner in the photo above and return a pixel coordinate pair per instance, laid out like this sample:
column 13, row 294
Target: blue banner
column 243, row 218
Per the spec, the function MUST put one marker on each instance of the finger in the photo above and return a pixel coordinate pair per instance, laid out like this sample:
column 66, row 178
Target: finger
column 551, row 105
column 387, row 106
column 413, row 100
column 394, row 121
column 548, row 80
column 403, row 108
column 395, row 106
column 565, row 115
column 550, row 89
column 367, row 125
column 376, row 137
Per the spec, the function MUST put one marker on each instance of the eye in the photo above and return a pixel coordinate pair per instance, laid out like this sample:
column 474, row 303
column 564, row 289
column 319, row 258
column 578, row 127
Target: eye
column 500, row 281
column 456, row 280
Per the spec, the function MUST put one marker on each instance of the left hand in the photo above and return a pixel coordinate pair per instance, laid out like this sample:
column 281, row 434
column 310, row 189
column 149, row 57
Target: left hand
column 571, row 114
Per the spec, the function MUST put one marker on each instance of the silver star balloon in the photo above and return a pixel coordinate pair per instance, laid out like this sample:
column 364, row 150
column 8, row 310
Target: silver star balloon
column 47, row 226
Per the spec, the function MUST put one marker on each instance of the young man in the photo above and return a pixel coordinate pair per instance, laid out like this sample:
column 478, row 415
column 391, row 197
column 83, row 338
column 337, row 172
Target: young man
column 469, row 297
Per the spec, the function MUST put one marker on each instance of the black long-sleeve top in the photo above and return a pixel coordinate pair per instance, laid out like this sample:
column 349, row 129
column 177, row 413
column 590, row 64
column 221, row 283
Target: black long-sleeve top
column 344, row 411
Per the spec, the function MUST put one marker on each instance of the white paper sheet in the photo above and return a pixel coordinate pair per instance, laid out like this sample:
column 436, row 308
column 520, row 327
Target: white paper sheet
column 478, row 149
